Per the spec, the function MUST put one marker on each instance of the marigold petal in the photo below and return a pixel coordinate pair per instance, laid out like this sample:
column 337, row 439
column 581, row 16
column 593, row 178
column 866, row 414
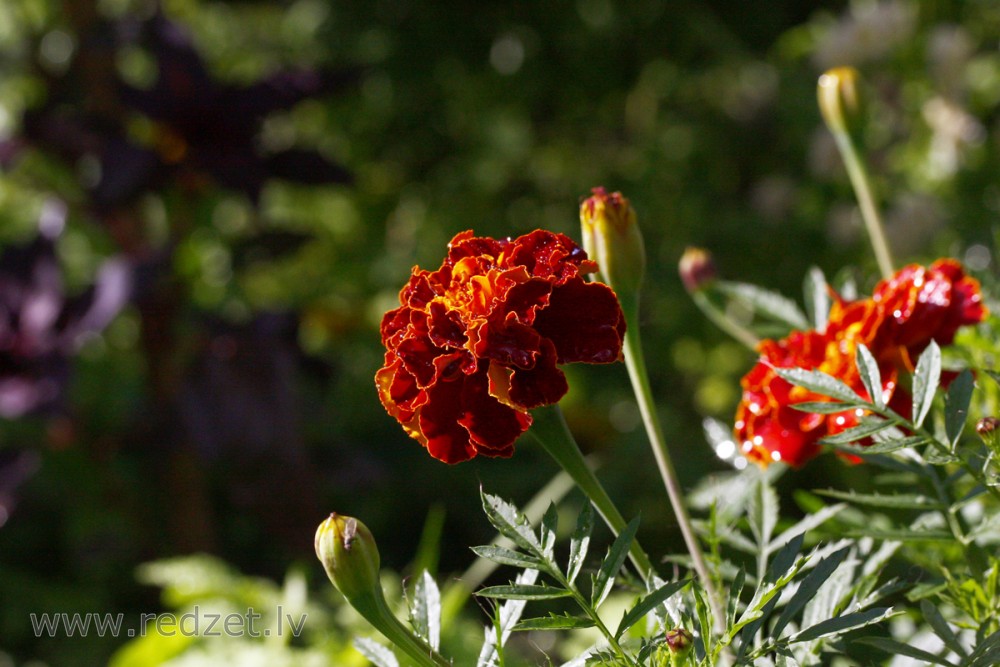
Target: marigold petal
column 544, row 384
column 492, row 426
column 584, row 321
column 446, row 439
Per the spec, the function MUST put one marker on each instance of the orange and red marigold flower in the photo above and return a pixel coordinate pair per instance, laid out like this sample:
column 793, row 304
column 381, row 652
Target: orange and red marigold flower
column 906, row 312
column 476, row 344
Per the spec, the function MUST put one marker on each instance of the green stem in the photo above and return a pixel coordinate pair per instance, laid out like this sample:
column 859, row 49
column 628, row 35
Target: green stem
column 550, row 430
column 639, row 376
column 859, row 180
column 375, row 610
column 719, row 318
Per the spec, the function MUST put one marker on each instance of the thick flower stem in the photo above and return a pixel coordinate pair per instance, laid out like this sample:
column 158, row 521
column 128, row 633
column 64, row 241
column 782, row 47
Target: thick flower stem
column 375, row 610
column 866, row 201
column 636, row 365
column 550, row 430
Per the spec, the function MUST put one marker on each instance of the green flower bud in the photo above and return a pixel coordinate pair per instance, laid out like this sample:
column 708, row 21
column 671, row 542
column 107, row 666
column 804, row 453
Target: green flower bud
column 839, row 99
column 349, row 555
column 612, row 238
column 697, row 269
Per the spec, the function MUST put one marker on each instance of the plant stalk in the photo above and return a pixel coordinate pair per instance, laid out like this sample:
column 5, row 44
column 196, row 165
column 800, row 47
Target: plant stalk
column 866, row 201
column 639, row 376
column 550, row 430
column 375, row 610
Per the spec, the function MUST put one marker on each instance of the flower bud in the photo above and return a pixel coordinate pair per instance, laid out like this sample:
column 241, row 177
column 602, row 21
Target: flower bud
column 612, row 238
column 679, row 641
column 349, row 555
column 839, row 99
column 988, row 429
column 697, row 269
column 676, row 649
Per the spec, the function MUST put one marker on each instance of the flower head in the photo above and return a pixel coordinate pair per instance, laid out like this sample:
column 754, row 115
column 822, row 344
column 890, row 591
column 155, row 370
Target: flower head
column 906, row 312
column 477, row 343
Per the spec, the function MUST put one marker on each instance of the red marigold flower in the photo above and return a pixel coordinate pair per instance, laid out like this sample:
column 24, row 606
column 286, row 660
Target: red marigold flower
column 477, row 343
column 907, row 311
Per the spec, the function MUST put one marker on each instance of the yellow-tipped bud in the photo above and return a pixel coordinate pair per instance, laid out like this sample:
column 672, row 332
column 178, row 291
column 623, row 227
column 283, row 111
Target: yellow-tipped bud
column 349, row 555
column 839, row 99
column 697, row 269
column 612, row 238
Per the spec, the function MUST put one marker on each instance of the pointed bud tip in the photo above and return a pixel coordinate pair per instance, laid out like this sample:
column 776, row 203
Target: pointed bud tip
column 837, row 92
column 612, row 238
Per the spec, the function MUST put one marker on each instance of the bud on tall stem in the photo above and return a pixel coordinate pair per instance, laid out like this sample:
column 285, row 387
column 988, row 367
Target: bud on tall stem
column 348, row 552
column 612, row 238
column 839, row 103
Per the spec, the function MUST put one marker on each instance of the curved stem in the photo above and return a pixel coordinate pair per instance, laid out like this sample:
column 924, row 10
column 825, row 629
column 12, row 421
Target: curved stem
column 719, row 319
column 859, row 180
column 376, row 611
column 550, row 430
column 636, row 364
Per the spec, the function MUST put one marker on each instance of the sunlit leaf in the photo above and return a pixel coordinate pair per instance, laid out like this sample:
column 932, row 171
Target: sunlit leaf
column 613, row 562
column 870, row 375
column 820, row 383
column 926, row 378
column 842, row 624
column 580, row 541
column 956, row 406
column 647, row 604
column 767, row 303
column 379, row 655
column 554, row 622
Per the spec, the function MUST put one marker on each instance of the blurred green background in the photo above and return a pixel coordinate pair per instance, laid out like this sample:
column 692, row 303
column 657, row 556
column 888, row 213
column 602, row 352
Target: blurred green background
column 230, row 405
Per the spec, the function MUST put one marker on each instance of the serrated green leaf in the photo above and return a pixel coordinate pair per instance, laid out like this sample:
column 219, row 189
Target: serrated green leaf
column 806, row 524
column 871, row 377
column 554, row 622
column 580, row 541
column 868, row 427
column 820, row 383
column 510, row 523
column 547, row 530
column 379, row 655
column 425, row 610
column 647, row 604
column 926, row 379
column 941, row 627
column 505, row 556
column 817, row 298
column 767, row 303
column 956, row 406
column 523, row 592
column 885, row 446
column 987, row 652
column 899, row 648
column 735, row 590
column 828, row 407
column 842, row 624
column 808, row 588
column 902, row 534
column 898, row 501
column 762, row 513
column 613, row 562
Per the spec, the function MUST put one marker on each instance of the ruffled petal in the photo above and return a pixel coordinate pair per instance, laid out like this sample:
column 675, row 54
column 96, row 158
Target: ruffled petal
column 584, row 321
